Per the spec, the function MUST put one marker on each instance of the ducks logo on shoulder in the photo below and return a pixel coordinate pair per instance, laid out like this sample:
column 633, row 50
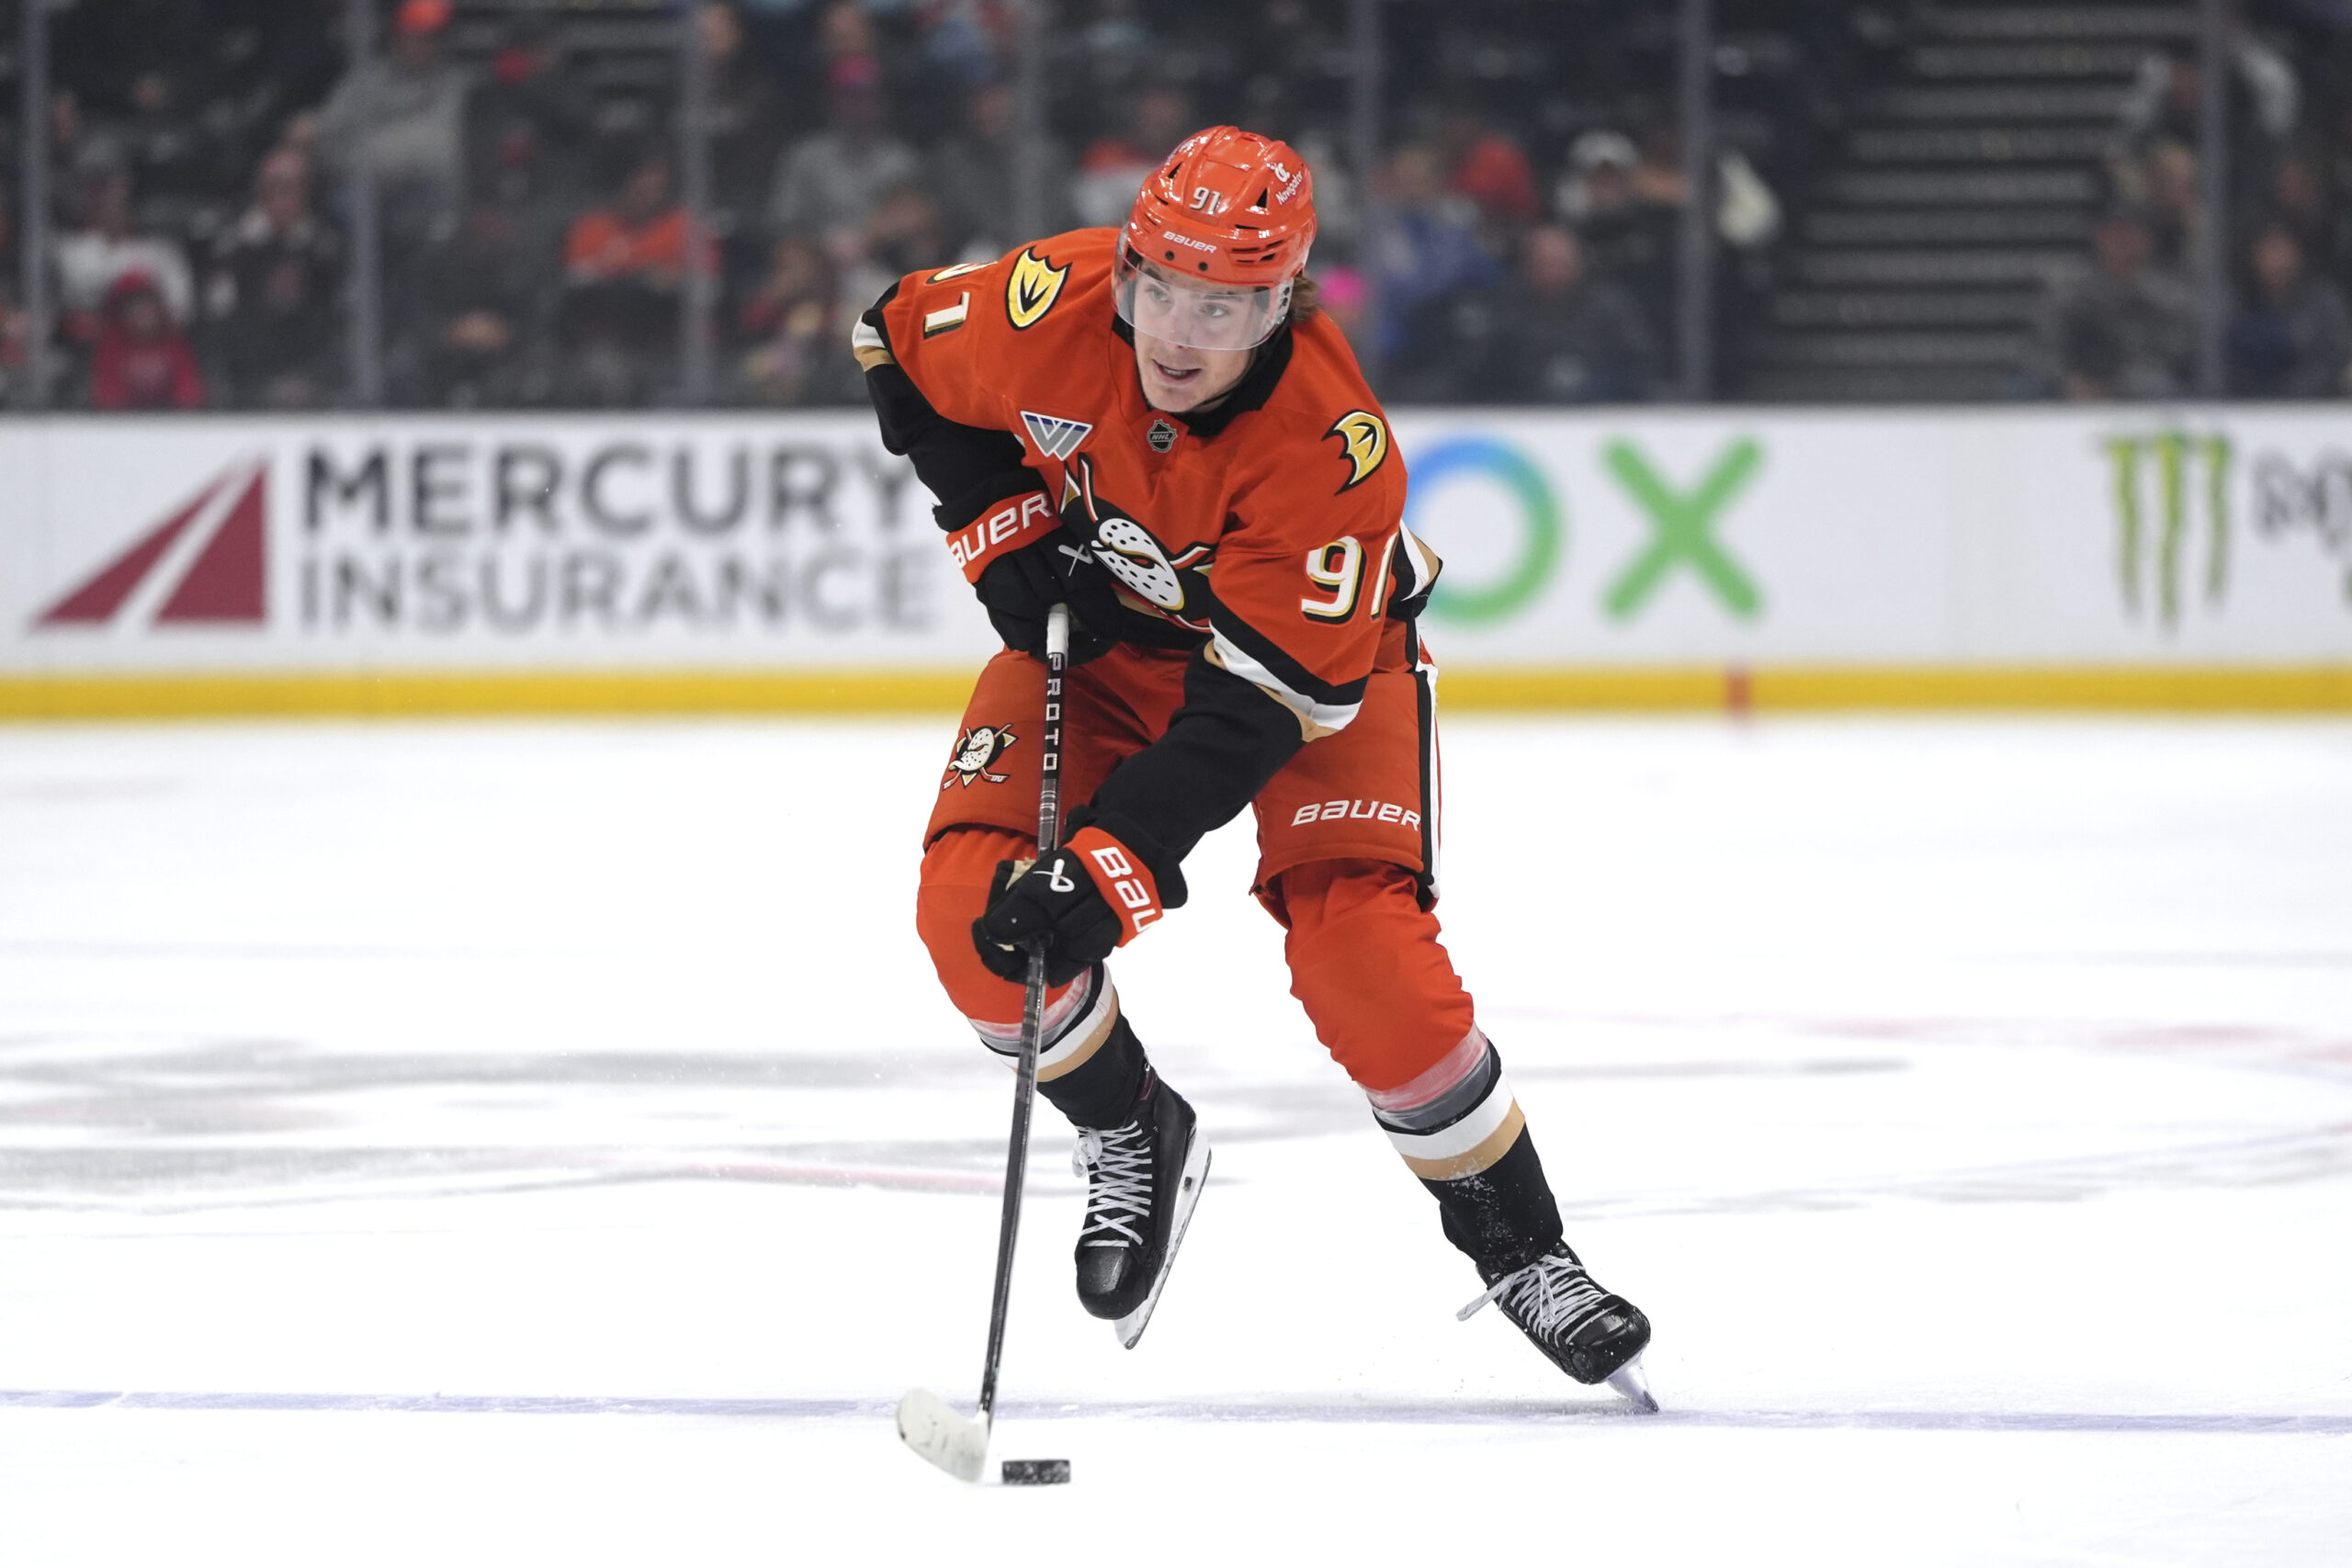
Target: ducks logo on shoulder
column 1031, row 289
column 1367, row 444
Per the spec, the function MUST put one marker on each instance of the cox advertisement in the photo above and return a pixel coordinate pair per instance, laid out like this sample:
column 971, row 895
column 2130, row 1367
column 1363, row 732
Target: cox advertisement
column 1946, row 537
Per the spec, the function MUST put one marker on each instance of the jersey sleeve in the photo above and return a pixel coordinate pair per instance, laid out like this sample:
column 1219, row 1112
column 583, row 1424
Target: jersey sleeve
column 918, row 346
column 1306, row 574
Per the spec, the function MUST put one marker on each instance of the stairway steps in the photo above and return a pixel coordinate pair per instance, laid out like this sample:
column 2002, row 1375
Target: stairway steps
column 1856, row 308
column 2010, row 105
column 1893, row 350
column 2042, row 23
column 2016, row 267
column 1921, row 187
column 1958, row 384
column 2009, row 61
column 1950, row 226
column 1991, row 144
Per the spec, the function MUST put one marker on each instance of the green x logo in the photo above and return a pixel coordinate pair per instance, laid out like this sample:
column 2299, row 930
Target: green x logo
column 1683, row 530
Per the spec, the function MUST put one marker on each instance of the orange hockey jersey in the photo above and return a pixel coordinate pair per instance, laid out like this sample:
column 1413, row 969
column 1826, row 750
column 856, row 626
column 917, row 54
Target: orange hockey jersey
column 1269, row 528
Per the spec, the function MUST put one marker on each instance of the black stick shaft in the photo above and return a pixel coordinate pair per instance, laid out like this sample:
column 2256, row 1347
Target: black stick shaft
column 1033, row 1007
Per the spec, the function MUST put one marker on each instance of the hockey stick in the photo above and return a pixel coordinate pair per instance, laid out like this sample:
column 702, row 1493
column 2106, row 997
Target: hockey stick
column 929, row 1426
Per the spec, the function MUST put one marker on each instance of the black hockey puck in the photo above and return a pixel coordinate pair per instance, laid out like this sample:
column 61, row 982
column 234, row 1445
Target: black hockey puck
column 1036, row 1471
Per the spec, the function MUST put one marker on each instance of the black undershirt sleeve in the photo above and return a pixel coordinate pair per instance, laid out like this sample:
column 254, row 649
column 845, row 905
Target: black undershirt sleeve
column 1222, row 747
column 967, row 468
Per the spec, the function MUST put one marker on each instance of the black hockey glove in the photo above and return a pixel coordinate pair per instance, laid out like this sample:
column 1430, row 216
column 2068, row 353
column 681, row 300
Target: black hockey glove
column 1052, row 900
column 1085, row 899
column 1019, row 586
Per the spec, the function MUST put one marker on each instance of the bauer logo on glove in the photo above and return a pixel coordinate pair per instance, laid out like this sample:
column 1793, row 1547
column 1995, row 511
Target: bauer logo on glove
column 1078, row 903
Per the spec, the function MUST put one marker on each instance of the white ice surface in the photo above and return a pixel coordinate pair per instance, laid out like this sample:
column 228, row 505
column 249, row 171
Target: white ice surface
column 546, row 1144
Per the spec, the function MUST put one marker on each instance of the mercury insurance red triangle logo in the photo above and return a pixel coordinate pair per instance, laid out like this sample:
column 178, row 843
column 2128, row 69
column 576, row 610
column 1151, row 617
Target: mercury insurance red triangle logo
column 207, row 563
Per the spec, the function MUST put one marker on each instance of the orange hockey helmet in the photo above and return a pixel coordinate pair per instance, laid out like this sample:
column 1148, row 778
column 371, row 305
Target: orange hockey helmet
column 1217, row 235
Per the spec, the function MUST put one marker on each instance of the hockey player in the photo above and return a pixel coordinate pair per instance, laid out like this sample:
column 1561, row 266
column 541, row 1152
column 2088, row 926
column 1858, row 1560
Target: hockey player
column 1155, row 426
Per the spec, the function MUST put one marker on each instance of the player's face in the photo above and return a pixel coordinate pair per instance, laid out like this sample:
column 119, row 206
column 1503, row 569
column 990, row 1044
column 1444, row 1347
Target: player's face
column 1177, row 379
column 1192, row 337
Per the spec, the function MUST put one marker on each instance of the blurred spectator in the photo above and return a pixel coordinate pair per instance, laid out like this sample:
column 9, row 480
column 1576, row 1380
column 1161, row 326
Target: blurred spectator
column 2176, row 222
column 846, row 32
column 962, row 40
column 903, row 236
column 1626, row 213
column 1343, row 294
column 471, row 333
column 528, row 93
column 168, row 146
column 830, row 184
column 1423, row 250
column 638, row 237
column 623, row 262
column 795, row 330
column 274, row 293
column 973, row 180
column 2165, row 98
column 141, row 360
column 1118, row 46
column 2126, row 329
column 411, row 104
column 1568, row 337
column 1113, row 167
column 746, row 118
column 105, row 245
column 1489, row 169
column 13, row 325
column 2293, row 340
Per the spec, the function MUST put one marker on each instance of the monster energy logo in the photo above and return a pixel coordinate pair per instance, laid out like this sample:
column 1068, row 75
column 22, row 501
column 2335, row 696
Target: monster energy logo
column 2182, row 465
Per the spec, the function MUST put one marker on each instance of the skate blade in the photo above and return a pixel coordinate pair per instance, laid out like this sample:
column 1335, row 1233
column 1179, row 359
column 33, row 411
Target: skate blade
column 1630, row 1381
column 1188, row 1193
column 958, row 1446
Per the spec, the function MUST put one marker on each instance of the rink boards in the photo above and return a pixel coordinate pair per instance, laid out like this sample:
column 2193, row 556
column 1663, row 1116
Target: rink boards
column 2181, row 557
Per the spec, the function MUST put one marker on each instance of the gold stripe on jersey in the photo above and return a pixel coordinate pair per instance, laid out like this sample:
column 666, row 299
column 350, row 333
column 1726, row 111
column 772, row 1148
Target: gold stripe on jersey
column 872, row 352
column 949, row 318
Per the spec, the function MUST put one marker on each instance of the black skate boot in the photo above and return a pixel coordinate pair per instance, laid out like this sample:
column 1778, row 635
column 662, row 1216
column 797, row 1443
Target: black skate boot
column 1592, row 1334
column 1142, row 1181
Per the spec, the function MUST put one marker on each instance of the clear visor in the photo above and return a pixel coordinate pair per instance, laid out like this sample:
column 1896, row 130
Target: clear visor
column 1195, row 313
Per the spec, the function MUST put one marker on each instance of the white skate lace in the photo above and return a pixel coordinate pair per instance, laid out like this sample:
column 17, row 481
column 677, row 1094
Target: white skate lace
column 1552, row 1297
column 1117, row 1164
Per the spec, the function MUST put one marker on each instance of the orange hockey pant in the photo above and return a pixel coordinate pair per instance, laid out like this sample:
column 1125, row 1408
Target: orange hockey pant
column 1364, row 957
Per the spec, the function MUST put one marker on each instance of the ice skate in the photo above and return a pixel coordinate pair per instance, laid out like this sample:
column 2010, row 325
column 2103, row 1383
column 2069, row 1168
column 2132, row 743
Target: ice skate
column 1592, row 1334
column 1142, row 1181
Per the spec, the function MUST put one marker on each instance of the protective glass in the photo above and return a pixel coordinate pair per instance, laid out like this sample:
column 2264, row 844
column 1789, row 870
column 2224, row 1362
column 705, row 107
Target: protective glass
column 1195, row 313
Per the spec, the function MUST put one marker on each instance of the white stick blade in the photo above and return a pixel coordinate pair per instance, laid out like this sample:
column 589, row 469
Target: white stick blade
column 955, row 1444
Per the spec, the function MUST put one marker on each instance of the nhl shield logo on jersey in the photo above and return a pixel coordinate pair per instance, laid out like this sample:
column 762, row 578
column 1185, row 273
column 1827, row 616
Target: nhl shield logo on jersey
column 975, row 752
column 1367, row 444
column 1162, row 436
column 1031, row 289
